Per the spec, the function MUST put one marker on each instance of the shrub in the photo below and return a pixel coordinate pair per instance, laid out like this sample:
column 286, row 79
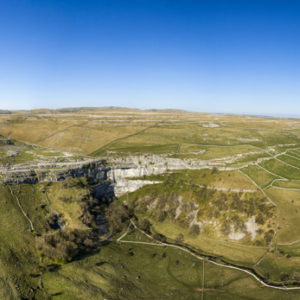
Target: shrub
column 179, row 238
column 260, row 219
column 284, row 277
column 64, row 245
column 145, row 225
column 117, row 216
column 269, row 236
column 225, row 228
column 161, row 215
column 52, row 221
column 195, row 229
column 159, row 237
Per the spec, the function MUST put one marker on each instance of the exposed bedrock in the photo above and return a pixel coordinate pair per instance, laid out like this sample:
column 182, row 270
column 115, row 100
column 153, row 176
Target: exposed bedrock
column 117, row 177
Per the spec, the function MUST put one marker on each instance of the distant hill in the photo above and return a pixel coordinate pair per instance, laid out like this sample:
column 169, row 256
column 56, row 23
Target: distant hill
column 5, row 112
column 89, row 109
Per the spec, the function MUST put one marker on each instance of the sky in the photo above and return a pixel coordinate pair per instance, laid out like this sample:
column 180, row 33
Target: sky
column 227, row 56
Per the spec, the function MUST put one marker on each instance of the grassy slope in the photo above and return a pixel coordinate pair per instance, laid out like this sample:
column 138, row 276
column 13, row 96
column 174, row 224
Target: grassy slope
column 279, row 168
column 288, row 203
column 260, row 176
column 130, row 271
column 85, row 132
column 18, row 256
column 181, row 184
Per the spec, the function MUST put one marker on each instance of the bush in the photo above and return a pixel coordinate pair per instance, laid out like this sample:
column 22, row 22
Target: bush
column 161, row 216
column 225, row 228
column 65, row 245
column 116, row 216
column 260, row 219
column 179, row 238
column 53, row 221
column 195, row 229
column 284, row 277
column 159, row 237
column 269, row 236
column 144, row 225
column 98, row 212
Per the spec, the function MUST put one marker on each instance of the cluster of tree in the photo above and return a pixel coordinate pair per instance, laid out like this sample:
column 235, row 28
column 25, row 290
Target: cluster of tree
column 104, row 214
column 103, row 217
column 64, row 245
column 238, row 223
column 159, row 237
column 195, row 229
column 221, row 203
column 226, row 228
column 53, row 221
column 117, row 216
column 179, row 238
column 268, row 236
column 145, row 225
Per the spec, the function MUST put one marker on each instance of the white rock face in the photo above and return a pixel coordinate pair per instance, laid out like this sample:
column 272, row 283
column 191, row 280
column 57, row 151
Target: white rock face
column 194, row 220
column 140, row 165
column 251, row 227
column 157, row 164
column 248, row 140
column 211, row 125
column 179, row 207
column 124, row 186
column 236, row 235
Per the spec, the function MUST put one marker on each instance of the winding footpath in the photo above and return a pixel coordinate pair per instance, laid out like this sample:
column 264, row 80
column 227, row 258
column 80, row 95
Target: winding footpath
column 22, row 210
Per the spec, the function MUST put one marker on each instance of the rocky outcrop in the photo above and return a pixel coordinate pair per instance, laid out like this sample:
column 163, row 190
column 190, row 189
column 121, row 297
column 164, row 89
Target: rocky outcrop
column 119, row 174
column 112, row 181
column 95, row 171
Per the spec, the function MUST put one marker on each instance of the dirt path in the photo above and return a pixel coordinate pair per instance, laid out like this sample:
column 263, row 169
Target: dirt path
column 225, row 189
column 297, row 158
column 289, row 243
column 285, row 188
column 60, row 131
column 123, row 235
column 285, row 163
column 277, row 217
column 22, row 210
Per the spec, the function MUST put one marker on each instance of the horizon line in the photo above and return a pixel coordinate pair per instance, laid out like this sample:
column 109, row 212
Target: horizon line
column 65, row 110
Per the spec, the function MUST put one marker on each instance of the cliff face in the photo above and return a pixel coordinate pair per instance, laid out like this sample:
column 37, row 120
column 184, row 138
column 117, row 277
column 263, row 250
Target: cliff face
column 112, row 181
column 113, row 178
column 144, row 165
column 94, row 170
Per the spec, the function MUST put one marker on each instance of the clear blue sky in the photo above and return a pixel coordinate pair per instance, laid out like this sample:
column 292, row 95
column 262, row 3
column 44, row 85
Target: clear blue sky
column 212, row 56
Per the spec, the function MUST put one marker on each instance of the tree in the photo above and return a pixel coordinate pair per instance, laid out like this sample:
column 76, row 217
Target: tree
column 268, row 236
column 284, row 277
column 145, row 225
column 161, row 215
column 225, row 228
column 159, row 237
column 179, row 238
column 214, row 170
column 260, row 219
column 195, row 229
